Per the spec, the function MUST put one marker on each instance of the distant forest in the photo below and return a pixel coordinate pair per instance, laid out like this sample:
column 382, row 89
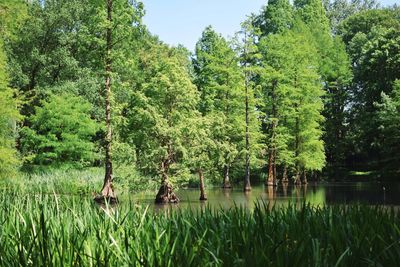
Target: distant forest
column 303, row 88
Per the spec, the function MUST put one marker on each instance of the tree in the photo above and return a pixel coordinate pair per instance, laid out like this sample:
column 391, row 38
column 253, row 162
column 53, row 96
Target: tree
column 159, row 114
column 60, row 132
column 334, row 69
column 292, row 104
column 276, row 17
column 246, row 47
column 107, row 190
column 220, row 83
column 372, row 41
column 201, row 148
column 12, row 15
column 339, row 10
column 312, row 12
column 336, row 75
column 389, row 126
column 8, row 117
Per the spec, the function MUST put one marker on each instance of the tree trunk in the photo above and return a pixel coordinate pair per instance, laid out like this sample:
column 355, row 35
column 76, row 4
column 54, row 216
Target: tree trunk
column 297, row 179
column 284, row 177
column 271, row 192
column 285, row 188
column 274, row 170
column 202, row 193
column 304, row 178
column 272, row 155
column 107, row 192
column 226, row 183
column 246, row 185
column 270, row 179
column 165, row 193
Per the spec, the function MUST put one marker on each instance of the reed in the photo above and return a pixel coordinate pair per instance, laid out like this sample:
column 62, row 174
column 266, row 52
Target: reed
column 52, row 230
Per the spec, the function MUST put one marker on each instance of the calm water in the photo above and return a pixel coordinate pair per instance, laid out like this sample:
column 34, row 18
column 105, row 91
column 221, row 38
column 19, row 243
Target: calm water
column 371, row 193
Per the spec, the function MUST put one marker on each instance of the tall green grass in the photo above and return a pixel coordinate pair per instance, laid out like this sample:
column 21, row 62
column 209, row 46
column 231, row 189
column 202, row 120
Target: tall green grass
column 78, row 181
column 48, row 230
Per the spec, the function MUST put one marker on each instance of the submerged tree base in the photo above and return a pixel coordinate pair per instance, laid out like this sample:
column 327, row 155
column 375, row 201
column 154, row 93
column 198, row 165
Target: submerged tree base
column 166, row 195
column 226, row 185
column 203, row 198
column 271, row 183
column 102, row 200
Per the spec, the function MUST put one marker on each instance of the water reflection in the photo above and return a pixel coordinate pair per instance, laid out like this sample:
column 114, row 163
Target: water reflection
column 315, row 194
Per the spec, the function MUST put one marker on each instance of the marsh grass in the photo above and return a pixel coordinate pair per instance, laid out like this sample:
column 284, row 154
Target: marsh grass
column 49, row 230
column 78, row 181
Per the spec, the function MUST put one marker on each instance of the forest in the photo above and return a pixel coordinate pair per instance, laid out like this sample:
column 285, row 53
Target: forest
column 302, row 91
column 92, row 102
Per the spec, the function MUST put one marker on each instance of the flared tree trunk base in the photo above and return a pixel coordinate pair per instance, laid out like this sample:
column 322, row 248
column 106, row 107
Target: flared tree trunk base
column 226, row 185
column 297, row 181
column 203, row 195
column 203, row 198
column 247, row 185
column 247, row 188
column 270, row 183
column 107, row 194
column 105, row 199
column 166, row 195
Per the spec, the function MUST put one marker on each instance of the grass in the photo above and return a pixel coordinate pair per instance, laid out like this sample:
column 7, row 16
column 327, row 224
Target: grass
column 49, row 230
column 71, row 181
column 78, row 181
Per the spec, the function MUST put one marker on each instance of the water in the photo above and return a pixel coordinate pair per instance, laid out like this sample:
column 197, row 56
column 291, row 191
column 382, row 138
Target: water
column 370, row 193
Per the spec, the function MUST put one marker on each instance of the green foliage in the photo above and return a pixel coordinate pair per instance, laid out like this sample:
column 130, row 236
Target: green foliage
column 312, row 12
column 8, row 119
column 61, row 131
column 389, row 120
column 64, row 230
column 221, row 86
column 159, row 113
column 372, row 39
column 293, row 103
column 12, row 15
column 339, row 10
column 172, row 116
column 276, row 17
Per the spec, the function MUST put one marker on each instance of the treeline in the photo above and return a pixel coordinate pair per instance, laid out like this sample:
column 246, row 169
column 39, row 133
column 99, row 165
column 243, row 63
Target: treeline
column 301, row 87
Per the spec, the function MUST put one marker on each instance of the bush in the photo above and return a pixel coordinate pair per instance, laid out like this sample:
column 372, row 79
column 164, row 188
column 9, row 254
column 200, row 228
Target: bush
column 61, row 131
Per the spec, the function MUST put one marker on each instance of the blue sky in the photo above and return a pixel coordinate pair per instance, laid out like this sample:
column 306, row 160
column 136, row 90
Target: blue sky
column 182, row 21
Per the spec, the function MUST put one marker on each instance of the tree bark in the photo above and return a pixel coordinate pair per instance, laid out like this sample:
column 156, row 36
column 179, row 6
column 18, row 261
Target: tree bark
column 274, row 169
column 285, row 188
column 284, row 177
column 270, row 179
column 247, row 185
column 202, row 192
column 305, row 178
column 297, row 179
column 165, row 193
column 271, row 192
column 272, row 155
column 226, row 183
column 108, row 191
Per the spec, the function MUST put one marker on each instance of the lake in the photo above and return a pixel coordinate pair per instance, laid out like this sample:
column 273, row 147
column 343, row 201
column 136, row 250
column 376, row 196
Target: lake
column 370, row 193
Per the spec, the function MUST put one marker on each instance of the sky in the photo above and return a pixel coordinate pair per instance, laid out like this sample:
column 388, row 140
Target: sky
column 183, row 21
